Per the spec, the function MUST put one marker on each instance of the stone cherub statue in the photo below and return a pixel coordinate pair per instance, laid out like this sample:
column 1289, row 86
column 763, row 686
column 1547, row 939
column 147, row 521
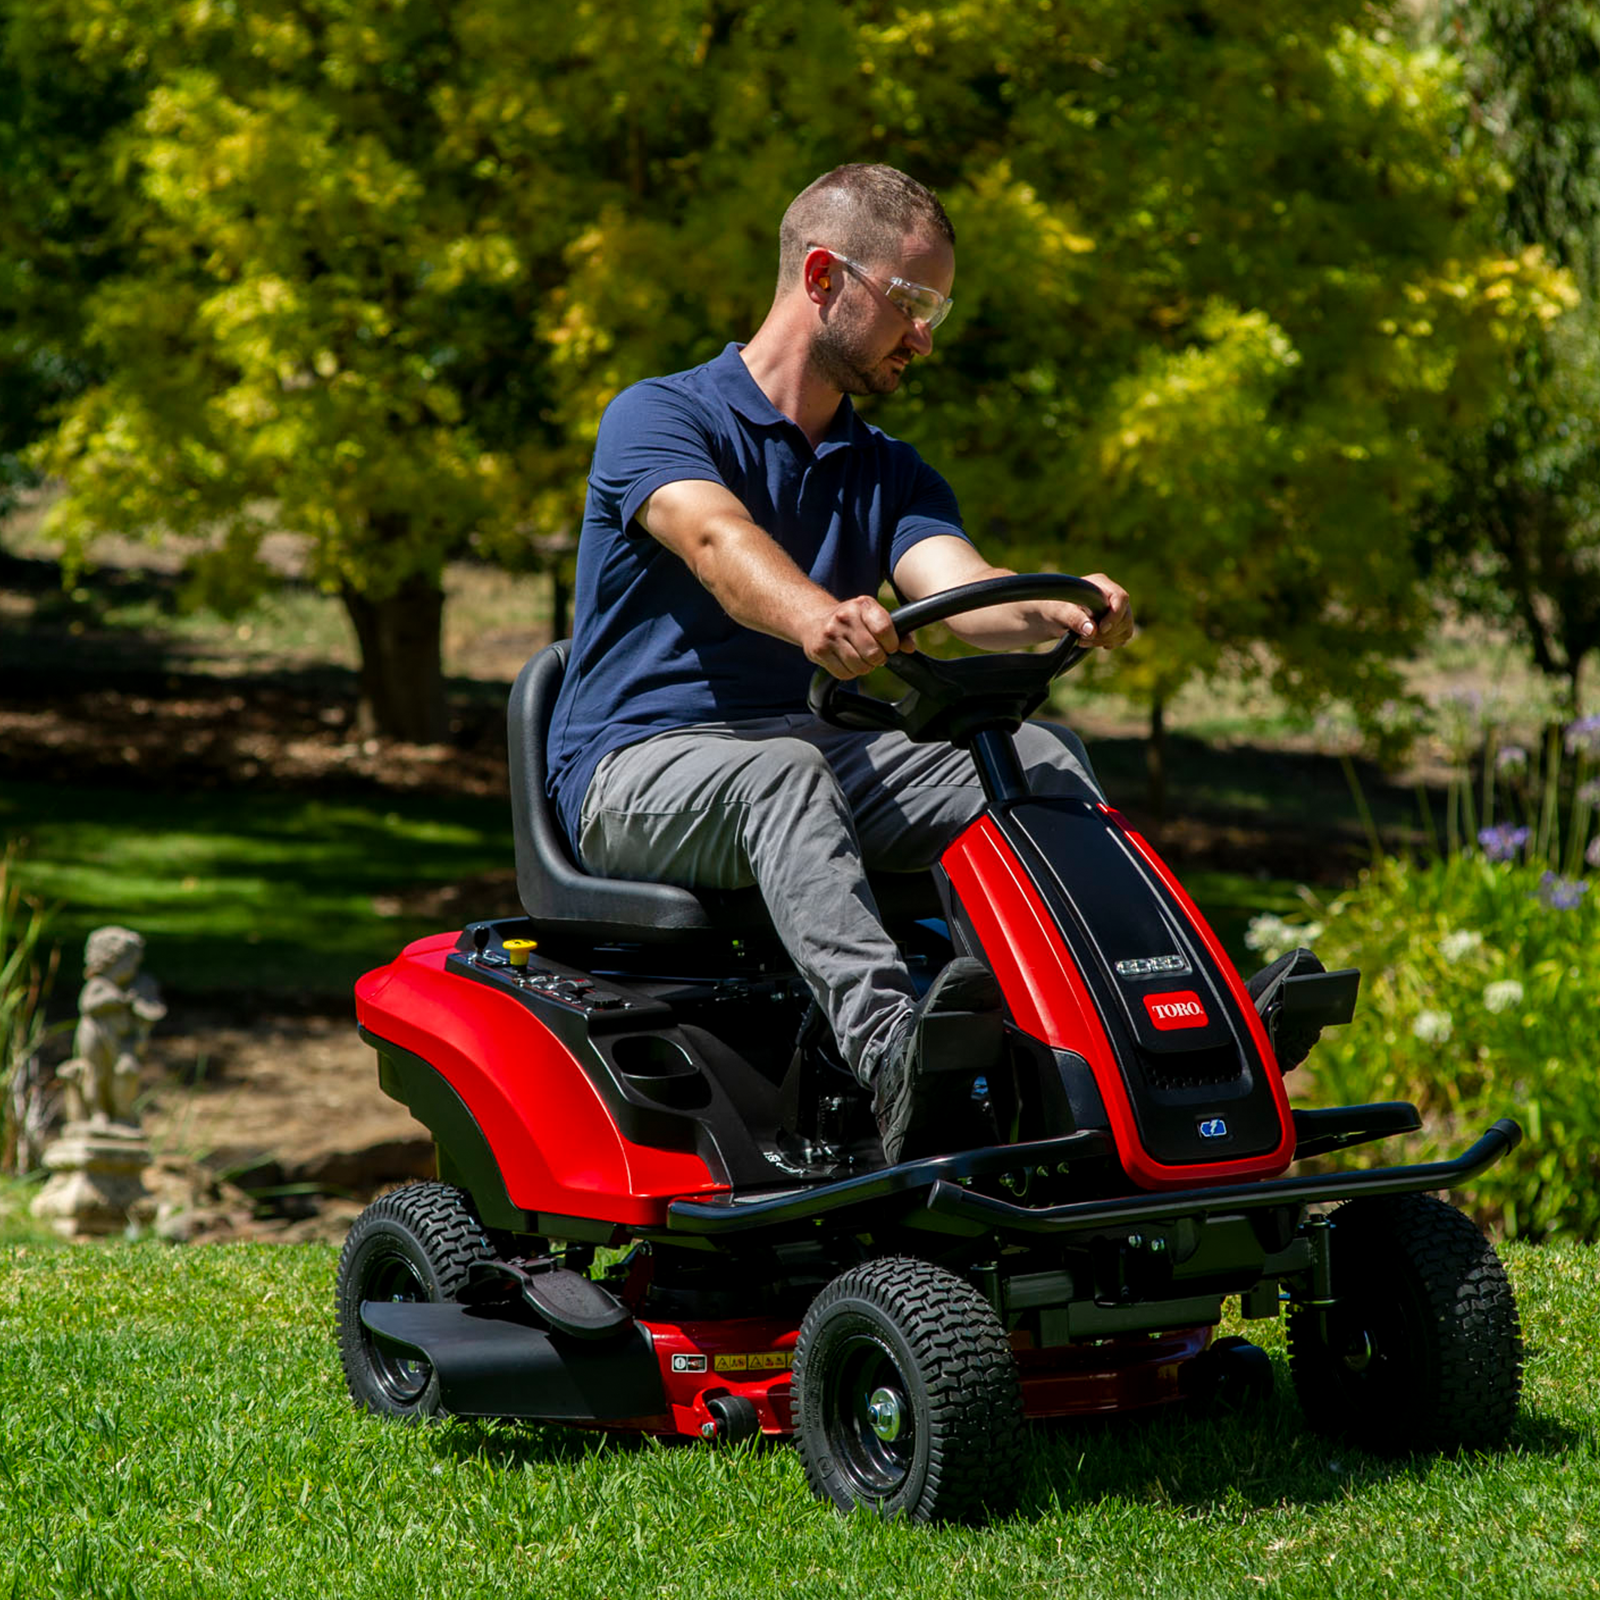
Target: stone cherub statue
column 117, row 1008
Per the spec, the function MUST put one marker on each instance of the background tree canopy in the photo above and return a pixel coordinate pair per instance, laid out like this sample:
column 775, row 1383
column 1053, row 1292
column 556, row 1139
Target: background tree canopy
column 1515, row 528
column 1226, row 286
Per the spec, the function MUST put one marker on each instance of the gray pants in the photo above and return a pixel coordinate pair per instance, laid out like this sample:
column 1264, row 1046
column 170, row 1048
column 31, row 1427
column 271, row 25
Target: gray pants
column 798, row 808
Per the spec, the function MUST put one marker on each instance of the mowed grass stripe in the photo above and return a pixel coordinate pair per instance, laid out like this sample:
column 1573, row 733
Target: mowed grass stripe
column 174, row 1423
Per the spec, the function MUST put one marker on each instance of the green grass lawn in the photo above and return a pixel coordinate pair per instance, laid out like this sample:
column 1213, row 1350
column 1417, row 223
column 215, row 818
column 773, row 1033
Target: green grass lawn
column 173, row 1423
column 286, row 894
column 265, row 892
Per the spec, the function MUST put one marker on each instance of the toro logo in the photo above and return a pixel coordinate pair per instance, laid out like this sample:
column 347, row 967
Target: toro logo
column 1179, row 1008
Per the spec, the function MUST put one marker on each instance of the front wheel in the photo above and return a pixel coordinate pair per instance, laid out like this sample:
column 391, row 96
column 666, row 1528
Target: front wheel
column 907, row 1398
column 1422, row 1349
column 416, row 1243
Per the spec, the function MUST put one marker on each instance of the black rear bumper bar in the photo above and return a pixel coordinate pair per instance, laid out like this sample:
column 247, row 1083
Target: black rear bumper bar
column 932, row 1190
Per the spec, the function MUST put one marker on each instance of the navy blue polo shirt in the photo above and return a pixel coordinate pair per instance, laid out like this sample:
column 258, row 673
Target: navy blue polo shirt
column 651, row 649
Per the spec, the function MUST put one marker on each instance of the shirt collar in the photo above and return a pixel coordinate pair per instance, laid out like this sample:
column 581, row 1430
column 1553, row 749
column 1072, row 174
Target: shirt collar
column 747, row 397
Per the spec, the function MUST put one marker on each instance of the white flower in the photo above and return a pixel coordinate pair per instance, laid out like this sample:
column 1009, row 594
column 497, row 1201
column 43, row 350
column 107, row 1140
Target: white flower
column 1455, row 945
column 1432, row 1027
column 1503, row 996
column 1271, row 936
column 1266, row 932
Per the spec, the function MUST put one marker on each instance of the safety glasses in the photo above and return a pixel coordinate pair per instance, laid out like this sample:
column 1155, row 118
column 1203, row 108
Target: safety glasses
column 916, row 300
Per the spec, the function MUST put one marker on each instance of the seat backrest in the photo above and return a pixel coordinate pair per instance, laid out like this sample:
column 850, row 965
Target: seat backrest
column 555, row 891
column 558, row 894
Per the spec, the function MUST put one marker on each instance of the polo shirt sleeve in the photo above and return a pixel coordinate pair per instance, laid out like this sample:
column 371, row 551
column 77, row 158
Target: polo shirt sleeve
column 651, row 435
column 928, row 508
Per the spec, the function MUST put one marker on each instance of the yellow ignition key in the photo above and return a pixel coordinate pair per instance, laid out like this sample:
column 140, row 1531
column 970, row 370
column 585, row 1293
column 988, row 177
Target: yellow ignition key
column 518, row 950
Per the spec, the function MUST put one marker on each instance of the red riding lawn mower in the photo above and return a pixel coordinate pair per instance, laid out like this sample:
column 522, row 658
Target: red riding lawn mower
column 636, row 1069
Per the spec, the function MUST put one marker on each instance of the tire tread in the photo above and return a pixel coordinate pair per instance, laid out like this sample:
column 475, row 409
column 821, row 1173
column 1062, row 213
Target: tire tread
column 439, row 1220
column 971, row 1378
column 1465, row 1390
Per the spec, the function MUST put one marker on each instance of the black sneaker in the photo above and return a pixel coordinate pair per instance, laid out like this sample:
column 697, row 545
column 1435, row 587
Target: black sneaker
column 956, row 1028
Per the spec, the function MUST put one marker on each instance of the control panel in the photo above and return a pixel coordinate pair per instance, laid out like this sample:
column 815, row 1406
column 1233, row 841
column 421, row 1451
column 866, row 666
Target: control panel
column 515, row 964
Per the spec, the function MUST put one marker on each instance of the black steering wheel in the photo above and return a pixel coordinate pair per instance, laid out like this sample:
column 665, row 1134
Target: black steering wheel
column 950, row 701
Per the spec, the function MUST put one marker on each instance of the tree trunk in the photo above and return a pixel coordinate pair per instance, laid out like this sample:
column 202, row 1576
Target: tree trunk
column 560, row 604
column 402, row 676
column 1155, row 759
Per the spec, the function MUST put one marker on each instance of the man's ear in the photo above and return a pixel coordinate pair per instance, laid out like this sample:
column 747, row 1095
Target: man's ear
column 817, row 273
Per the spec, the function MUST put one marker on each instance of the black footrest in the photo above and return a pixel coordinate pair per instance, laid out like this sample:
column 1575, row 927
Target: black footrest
column 566, row 1301
column 1338, row 1127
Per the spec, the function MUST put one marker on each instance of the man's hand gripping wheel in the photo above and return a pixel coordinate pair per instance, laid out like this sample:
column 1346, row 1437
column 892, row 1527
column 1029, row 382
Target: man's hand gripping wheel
column 952, row 700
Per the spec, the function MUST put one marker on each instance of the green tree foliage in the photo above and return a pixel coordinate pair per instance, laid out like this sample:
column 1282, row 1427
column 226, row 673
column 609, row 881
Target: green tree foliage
column 56, row 221
column 1222, row 291
column 322, row 327
column 1267, row 308
column 1517, row 528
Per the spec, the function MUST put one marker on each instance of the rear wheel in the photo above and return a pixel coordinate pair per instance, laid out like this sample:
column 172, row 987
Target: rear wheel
column 1422, row 1349
column 907, row 1399
column 416, row 1243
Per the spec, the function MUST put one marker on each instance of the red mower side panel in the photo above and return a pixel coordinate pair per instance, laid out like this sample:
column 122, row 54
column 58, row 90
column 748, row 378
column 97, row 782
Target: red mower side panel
column 1050, row 999
column 747, row 1358
column 1100, row 1377
column 553, row 1138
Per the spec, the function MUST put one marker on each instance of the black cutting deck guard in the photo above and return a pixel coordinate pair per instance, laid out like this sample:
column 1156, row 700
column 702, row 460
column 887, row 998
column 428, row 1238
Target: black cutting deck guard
column 490, row 1365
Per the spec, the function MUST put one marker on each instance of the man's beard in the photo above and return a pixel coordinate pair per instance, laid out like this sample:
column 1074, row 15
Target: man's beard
column 841, row 357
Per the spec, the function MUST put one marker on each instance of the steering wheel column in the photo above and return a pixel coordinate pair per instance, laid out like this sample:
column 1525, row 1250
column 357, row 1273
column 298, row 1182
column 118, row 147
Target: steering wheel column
column 975, row 702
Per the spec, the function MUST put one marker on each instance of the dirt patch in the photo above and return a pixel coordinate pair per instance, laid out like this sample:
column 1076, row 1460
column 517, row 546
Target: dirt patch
column 275, row 1127
column 178, row 730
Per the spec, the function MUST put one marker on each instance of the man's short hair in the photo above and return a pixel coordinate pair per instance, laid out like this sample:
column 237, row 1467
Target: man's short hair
column 861, row 211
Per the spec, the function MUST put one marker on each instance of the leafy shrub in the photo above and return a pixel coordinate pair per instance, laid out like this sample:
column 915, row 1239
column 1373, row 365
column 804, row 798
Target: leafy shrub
column 1481, row 989
column 1479, row 995
column 27, row 966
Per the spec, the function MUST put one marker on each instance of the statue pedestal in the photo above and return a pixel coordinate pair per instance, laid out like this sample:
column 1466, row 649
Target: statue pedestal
column 96, row 1185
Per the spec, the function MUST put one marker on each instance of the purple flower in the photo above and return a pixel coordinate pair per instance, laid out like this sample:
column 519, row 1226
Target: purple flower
column 1592, row 854
column 1562, row 894
column 1589, row 793
column 1583, row 737
column 1502, row 842
column 1511, row 760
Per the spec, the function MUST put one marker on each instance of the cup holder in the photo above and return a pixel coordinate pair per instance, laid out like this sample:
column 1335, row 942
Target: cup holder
column 661, row 1071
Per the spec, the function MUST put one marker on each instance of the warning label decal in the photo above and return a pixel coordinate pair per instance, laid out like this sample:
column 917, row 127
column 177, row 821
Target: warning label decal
column 754, row 1361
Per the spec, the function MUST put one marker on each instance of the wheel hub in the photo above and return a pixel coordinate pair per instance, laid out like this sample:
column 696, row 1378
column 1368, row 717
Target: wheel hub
column 885, row 1414
column 1358, row 1351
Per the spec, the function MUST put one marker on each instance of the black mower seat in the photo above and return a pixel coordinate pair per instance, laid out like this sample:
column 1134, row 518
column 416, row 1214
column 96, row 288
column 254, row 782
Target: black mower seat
column 562, row 897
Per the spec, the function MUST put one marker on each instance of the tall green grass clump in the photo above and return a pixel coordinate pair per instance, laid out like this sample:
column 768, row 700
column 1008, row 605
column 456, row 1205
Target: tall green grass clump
column 1480, row 983
column 27, row 968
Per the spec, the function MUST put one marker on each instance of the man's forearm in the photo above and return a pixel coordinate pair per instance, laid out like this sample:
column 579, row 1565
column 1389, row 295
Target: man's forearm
column 754, row 580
